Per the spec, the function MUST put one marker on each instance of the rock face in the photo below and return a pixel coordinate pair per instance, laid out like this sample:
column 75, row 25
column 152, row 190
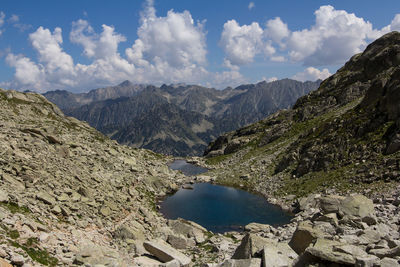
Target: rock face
column 341, row 136
column 67, row 192
column 187, row 117
column 166, row 253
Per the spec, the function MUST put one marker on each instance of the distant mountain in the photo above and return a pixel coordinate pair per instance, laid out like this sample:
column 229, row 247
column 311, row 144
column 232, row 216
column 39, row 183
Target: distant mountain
column 177, row 119
column 68, row 101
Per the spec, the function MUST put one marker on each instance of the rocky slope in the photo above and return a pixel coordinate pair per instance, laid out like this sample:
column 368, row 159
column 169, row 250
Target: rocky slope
column 68, row 101
column 345, row 135
column 177, row 119
column 70, row 196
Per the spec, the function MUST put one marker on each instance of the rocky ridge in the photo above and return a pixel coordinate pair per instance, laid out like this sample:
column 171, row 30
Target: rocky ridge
column 343, row 136
column 177, row 119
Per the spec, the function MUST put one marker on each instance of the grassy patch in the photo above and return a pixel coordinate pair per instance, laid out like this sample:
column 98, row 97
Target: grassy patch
column 217, row 159
column 15, row 208
column 36, row 254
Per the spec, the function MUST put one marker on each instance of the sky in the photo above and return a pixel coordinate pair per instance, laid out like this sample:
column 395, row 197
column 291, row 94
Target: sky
column 82, row 45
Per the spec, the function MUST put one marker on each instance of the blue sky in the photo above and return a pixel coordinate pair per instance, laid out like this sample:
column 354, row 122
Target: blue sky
column 81, row 45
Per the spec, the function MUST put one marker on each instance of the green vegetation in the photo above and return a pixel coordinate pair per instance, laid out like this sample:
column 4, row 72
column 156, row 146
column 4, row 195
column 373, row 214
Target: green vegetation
column 39, row 255
column 15, row 208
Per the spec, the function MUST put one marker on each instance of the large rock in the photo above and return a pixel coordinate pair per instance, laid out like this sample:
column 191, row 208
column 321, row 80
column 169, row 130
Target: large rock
column 165, row 252
column 304, row 235
column 3, row 196
column 257, row 227
column 278, row 256
column 241, row 263
column 330, row 204
column 188, row 229
column 46, row 198
column 358, row 206
column 325, row 250
column 252, row 246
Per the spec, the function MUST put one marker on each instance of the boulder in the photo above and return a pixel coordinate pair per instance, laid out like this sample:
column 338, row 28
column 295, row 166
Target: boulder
column 257, row 227
column 180, row 242
column 367, row 261
column 304, row 235
column 241, row 263
column 325, row 250
column 388, row 262
column 3, row 196
column 165, row 252
column 146, row 262
column 278, row 256
column 46, row 198
column 188, row 229
column 358, row 206
column 3, row 263
column 252, row 246
column 330, row 204
column 385, row 252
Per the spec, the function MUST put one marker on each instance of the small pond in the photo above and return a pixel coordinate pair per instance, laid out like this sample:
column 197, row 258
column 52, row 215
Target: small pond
column 221, row 208
column 187, row 168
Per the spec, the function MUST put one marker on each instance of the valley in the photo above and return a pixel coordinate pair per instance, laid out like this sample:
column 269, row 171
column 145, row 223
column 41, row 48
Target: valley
column 71, row 196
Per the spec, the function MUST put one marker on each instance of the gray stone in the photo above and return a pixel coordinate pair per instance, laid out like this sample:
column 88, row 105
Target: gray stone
column 366, row 261
column 180, row 242
column 324, row 250
column 3, row 196
column 165, row 252
column 304, row 235
column 241, row 263
column 388, row 262
column 278, row 256
column 330, row 204
column 257, row 227
column 385, row 252
column 358, row 206
column 252, row 246
column 46, row 198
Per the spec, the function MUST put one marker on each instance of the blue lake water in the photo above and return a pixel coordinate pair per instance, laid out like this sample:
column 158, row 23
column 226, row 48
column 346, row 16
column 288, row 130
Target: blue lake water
column 187, row 168
column 221, row 209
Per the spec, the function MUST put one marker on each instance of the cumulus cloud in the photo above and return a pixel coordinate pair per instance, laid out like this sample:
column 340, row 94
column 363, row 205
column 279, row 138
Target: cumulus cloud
column 276, row 30
column 169, row 49
column 334, row 38
column 13, row 19
column 312, row 74
column 2, row 18
column 251, row 5
column 241, row 43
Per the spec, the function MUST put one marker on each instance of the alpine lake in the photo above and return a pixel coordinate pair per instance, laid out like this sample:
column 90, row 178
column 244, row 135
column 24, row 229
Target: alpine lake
column 219, row 208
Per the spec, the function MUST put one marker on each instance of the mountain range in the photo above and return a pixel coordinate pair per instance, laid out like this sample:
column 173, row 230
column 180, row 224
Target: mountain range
column 177, row 119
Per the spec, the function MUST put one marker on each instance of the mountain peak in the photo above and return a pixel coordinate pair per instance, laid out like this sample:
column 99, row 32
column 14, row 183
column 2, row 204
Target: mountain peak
column 126, row 83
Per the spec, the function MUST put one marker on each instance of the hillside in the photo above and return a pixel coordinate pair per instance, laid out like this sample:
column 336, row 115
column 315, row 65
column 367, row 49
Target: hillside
column 177, row 119
column 70, row 196
column 343, row 136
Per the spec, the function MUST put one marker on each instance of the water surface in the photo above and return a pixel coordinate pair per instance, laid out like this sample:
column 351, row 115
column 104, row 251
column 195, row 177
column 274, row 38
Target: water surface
column 187, row 168
column 221, row 209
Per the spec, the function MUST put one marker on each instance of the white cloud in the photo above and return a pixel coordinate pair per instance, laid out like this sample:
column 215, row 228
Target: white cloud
column 333, row 39
column 169, row 49
column 224, row 79
column 312, row 74
column 272, row 79
column 276, row 30
column 251, row 5
column 13, row 19
column 2, row 18
column 335, row 36
column 278, row 59
column 26, row 71
column 241, row 43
